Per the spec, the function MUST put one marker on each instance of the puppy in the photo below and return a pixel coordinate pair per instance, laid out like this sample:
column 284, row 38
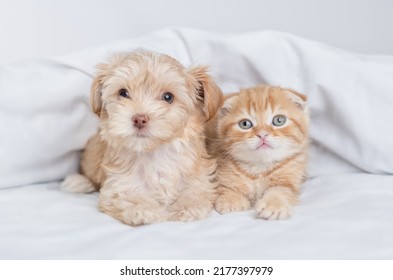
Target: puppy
column 148, row 158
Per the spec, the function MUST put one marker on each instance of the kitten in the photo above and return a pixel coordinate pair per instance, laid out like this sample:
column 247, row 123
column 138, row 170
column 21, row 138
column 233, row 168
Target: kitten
column 260, row 139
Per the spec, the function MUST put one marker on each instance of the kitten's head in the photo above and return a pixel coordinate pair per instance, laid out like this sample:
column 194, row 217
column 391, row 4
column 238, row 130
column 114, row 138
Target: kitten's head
column 263, row 124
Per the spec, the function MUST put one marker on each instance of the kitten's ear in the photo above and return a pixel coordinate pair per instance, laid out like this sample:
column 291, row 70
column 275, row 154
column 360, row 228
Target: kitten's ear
column 228, row 104
column 299, row 99
column 208, row 92
column 96, row 89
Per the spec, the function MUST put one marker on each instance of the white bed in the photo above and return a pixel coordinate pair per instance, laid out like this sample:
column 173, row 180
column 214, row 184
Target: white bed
column 346, row 216
column 346, row 208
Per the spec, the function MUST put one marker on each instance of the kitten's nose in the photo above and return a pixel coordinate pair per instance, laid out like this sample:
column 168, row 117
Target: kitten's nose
column 262, row 135
column 140, row 120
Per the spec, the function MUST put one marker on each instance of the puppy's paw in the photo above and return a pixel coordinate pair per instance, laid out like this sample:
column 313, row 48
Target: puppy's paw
column 231, row 202
column 131, row 213
column 140, row 216
column 275, row 205
column 186, row 212
column 77, row 183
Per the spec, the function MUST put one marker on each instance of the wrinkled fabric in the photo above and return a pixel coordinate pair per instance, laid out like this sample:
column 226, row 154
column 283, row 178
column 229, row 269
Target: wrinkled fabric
column 346, row 216
column 46, row 119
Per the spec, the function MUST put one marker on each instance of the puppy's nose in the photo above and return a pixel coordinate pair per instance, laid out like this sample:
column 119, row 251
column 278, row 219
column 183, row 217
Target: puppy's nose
column 140, row 120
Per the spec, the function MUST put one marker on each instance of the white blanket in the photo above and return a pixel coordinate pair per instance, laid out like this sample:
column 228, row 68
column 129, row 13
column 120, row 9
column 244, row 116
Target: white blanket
column 344, row 212
column 345, row 216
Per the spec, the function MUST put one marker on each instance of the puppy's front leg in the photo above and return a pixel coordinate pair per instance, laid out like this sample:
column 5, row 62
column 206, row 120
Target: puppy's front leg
column 131, row 209
column 193, row 204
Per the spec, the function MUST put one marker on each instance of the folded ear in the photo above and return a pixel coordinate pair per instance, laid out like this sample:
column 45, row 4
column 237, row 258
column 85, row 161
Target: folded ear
column 208, row 92
column 96, row 89
column 229, row 101
column 299, row 99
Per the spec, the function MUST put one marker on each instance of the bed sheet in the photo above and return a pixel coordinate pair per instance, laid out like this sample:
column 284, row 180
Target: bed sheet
column 340, row 216
column 46, row 120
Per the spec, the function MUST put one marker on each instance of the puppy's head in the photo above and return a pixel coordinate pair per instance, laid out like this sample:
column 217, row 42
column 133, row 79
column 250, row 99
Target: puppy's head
column 145, row 99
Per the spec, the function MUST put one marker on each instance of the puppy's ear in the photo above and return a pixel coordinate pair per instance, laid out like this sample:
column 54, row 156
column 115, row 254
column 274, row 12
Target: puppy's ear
column 208, row 92
column 96, row 89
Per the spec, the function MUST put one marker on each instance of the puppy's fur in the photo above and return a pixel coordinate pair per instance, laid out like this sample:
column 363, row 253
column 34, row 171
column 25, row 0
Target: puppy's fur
column 148, row 158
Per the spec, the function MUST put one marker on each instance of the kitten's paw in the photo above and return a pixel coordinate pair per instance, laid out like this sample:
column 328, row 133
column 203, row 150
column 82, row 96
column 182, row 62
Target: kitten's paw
column 185, row 212
column 274, row 206
column 231, row 202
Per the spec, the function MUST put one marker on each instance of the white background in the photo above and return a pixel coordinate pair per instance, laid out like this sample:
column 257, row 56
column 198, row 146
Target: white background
column 50, row 27
column 282, row 270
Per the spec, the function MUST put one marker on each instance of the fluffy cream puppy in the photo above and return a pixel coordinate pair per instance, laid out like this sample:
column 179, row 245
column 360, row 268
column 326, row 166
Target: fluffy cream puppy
column 148, row 158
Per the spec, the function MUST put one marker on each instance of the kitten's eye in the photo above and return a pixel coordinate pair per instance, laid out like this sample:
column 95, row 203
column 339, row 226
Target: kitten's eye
column 123, row 93
column 168, row 97
column 279, row 120
column 245, row 124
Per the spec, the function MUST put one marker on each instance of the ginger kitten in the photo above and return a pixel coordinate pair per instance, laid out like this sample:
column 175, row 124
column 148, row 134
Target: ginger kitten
column 260, row 139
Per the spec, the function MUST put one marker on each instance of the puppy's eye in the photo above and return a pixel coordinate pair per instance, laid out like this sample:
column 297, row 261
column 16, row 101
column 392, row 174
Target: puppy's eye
column 279, row 120
column 168, row 97
column 245, row 124
column 123, row 93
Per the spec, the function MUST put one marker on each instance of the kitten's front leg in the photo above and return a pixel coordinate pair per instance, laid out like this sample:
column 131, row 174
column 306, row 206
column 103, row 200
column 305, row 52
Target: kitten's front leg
column 276, row 203
column 230, row 200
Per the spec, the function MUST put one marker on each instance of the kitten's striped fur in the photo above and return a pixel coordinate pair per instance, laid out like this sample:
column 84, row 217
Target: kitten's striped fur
column 266, row 177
